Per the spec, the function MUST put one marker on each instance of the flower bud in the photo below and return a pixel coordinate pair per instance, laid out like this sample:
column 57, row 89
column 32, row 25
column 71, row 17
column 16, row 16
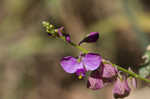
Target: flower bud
column 67, row 38
column 60, row 31
column 121, row 88
column 92, row 37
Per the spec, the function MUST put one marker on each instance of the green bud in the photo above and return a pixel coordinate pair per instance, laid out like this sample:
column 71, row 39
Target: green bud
column 45, row 24
column 56, row 30
column 51, row 26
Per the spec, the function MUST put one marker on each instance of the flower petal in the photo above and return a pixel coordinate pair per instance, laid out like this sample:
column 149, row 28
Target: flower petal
column 60, row 31
column 95, row 83
column 70, row 64
column 81, row 72
column 92, row 61
column 92, row 37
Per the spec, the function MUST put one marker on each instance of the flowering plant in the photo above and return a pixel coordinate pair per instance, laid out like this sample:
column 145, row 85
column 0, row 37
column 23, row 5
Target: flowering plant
column 102, row 72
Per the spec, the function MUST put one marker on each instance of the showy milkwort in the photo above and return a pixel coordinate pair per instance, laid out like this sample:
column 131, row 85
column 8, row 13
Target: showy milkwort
column 103, row 72
column 82, row 64
column 87, row 62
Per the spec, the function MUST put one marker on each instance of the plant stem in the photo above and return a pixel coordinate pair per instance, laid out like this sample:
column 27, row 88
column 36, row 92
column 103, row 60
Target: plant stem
column 118, row 67
column 48, row 27
column 75, row 45
column 131, row 73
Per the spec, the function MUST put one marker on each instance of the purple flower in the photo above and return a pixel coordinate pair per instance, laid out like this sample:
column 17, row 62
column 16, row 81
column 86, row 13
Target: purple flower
column 95, row 81
column 67, row 36
column 121, row 88
column 88, row 62
column 105, row 74
column 92, row 37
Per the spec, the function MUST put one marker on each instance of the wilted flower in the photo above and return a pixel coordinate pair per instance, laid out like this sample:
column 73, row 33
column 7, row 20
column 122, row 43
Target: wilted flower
column 109, row 71
column 88, row 62
column 95, row 81
column 121, row 88
column 92, row 37
column 105, row 74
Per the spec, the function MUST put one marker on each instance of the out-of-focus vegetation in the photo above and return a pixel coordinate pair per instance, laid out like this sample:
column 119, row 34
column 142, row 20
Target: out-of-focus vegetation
column 29, row 60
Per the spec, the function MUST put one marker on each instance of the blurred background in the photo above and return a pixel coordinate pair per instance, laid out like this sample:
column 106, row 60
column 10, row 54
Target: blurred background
column 29, row 60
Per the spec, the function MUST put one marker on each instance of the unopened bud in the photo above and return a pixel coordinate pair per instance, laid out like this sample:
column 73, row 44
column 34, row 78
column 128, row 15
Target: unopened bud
column 45, row 24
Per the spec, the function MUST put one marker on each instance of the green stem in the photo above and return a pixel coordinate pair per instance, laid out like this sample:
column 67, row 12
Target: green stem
column 75, row 45
column 131, row 73
column 118, row 67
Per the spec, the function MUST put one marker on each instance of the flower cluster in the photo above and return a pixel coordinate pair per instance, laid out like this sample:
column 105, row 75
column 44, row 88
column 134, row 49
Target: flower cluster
column 102, row 72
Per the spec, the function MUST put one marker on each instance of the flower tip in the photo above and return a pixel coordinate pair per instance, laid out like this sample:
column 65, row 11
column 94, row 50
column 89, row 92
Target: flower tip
column 94, row 33
column 45, row 23
column 60, row 31
column 92, row 37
